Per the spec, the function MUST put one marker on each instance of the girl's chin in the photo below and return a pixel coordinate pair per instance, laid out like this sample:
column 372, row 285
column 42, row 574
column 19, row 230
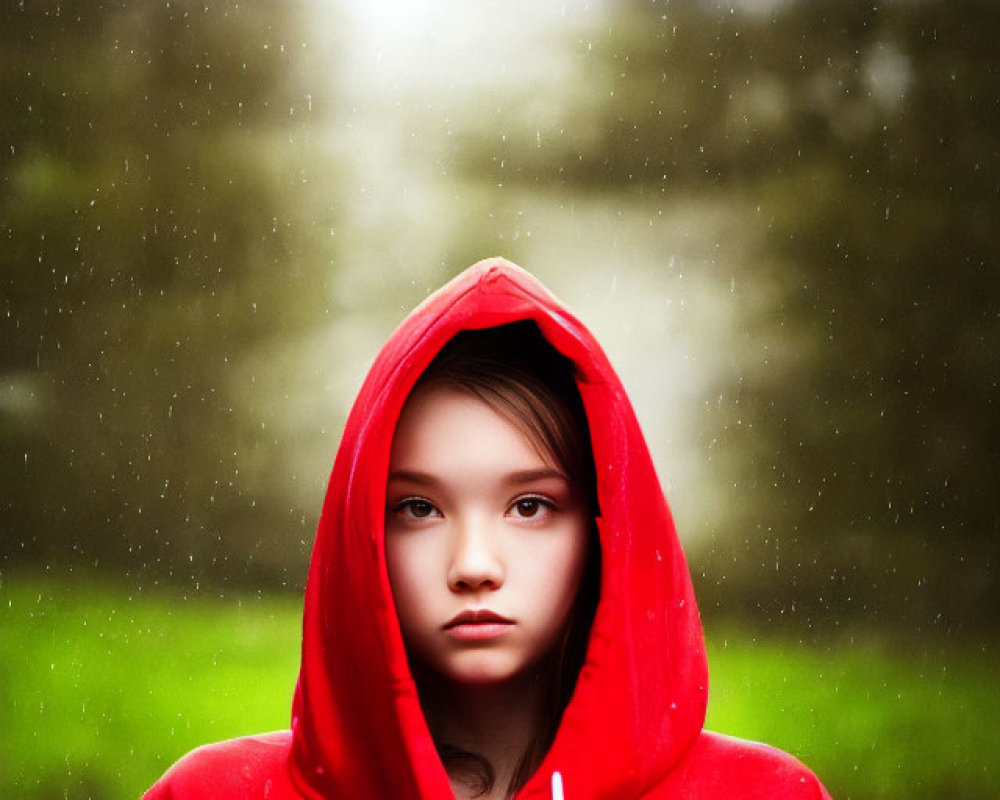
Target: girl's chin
column 477, row 670
column 481, row 676
column 487, row 675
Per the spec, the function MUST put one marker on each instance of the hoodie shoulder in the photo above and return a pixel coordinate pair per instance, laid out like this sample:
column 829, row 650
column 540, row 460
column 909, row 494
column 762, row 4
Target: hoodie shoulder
column 720, row 766
column 245, row 768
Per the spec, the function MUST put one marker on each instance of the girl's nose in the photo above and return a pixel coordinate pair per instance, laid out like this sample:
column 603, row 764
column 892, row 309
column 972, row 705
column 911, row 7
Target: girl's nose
column 476, row 562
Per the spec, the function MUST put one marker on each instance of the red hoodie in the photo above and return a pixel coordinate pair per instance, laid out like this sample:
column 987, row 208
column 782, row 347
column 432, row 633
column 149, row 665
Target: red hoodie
column 633, row 728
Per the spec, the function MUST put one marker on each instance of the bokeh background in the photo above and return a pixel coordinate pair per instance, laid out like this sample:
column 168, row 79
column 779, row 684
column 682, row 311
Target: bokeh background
column 778, row 216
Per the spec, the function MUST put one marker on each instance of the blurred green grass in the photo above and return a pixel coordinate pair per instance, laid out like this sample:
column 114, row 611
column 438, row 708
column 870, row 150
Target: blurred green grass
column 101, row 690
column 873, row 719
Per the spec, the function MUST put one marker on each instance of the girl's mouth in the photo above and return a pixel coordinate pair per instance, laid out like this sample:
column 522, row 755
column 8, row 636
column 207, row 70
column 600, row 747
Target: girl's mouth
column 477, row 625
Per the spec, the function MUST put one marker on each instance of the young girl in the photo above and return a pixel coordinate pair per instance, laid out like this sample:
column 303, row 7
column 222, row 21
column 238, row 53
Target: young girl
column 497, row 602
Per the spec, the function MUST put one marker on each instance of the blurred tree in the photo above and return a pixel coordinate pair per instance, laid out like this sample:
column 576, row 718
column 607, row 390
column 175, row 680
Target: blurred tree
column 884, row 446
column 861, row 436
column 152, row 164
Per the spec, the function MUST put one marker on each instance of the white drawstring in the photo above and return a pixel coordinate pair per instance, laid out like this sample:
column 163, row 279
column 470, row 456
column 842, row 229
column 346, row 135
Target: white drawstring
column 557, row 789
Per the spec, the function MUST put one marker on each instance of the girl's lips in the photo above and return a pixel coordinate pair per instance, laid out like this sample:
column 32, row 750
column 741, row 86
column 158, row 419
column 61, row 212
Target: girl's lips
column 477, row 625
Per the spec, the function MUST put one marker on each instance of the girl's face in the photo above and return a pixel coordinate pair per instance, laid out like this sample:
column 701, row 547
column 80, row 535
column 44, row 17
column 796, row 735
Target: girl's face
column 485, row 540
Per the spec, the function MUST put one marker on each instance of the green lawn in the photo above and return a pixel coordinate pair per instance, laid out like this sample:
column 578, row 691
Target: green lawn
column 872, row 722
column 100, row 691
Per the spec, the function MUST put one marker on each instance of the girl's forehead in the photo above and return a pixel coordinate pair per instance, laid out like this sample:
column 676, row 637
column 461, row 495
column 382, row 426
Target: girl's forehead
column 443, row 428
column 441, row 411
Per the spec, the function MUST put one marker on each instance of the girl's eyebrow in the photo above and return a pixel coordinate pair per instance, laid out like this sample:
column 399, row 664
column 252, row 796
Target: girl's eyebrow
column 532, row 475
column 513, row 478
column 412, row 476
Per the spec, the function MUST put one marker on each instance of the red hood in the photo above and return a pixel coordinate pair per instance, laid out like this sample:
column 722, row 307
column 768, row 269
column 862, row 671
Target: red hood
column 639, row 704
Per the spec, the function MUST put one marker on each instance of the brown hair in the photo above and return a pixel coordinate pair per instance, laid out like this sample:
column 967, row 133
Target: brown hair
column 517, row 373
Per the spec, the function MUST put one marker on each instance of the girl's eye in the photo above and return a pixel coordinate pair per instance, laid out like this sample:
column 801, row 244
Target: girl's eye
column 530, row 507
column 415, row 508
